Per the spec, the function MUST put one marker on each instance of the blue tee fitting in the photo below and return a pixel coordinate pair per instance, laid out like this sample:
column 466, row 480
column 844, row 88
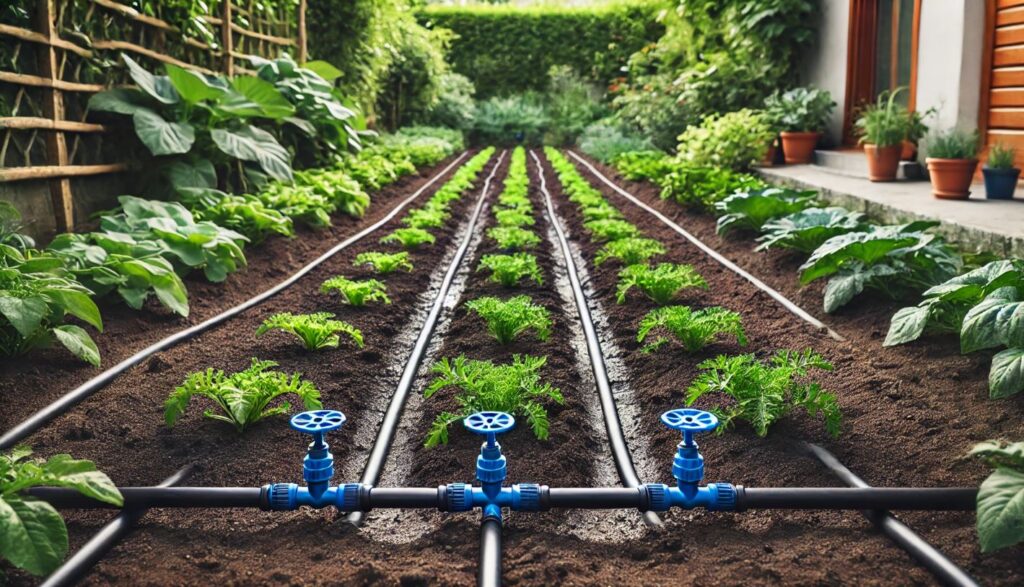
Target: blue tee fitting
column 713, row 496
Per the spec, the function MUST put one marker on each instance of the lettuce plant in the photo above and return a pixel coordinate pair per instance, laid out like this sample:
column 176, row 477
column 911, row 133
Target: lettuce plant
column 357, row 293
column 300, row 203
column 409, row 238
column 599, row 212
column 1000, row 517
column 243, row 397
column 693, row 330
column 662, row 283
column 611, row 229
column 808, row 229
column 508, row 319
column 33, row 536
column 426, row 217
column 762, row 393
column 750, row 210
column 243, row 213
column 513, row 217
column 513, row 238
column 702, row 187
column 316, row 331
column 384, row 262
column 509, row 270
column 629, row 251
column 514, row 387
column 637, row 165
column 343, row 192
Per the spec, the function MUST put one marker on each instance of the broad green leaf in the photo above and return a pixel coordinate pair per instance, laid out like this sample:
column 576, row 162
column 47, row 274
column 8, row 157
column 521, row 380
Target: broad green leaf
column 172, row 293
column 841, row 289
column 160, row 136
column 78, row 341
column 1006, row 377
column 253, row 144
column 25, row 314
column 157, row 86
column 78, row 304
column 866, row 247
column 192, row 86
column 1001, row 509
column 263, row 93
column 995, row 321
column 191, row 174
column 119, row 101
column 323, row 69
column 907, row 324
column 32, row 534
column 81, row 475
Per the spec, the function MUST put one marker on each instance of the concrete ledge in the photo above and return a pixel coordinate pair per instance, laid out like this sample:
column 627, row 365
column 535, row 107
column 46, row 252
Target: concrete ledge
column 992, row 225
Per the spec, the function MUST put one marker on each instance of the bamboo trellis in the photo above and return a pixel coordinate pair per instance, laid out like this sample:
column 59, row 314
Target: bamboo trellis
column 43, row 131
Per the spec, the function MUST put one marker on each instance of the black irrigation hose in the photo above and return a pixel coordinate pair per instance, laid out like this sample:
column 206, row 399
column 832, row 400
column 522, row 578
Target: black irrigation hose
column 612, row 424
column 490, row 553
column 918, row 548
column 76, row 567
column 857, row 498
column 156, row 497
column 775, row 295
column 382, row 445
column 69, row 400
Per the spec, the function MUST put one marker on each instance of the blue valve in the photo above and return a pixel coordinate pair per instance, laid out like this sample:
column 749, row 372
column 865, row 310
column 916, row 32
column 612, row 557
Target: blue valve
column 318, row 466
column 688, row 464
column 490, row 464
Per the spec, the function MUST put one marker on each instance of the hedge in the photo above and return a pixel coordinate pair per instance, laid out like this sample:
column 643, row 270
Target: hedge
column 506, row 49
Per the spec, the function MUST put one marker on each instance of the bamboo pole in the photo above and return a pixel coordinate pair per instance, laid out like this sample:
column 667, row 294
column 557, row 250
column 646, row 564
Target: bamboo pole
column 35, row 37
column 58, row 172
column 53, row 108
column 226, row 40
column 29, row 122
column 23, row 79
column 303, row 55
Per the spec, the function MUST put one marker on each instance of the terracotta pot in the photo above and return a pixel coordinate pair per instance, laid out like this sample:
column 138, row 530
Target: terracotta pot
column 798, row 147
column 951, row 178
column 909, row 151
column 883, row 162
column 769, row 156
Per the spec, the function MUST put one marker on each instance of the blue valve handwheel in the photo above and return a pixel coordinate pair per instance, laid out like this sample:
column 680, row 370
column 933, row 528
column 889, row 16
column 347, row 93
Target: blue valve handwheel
column 317, row 421
column 489, row 422
column 689, row 420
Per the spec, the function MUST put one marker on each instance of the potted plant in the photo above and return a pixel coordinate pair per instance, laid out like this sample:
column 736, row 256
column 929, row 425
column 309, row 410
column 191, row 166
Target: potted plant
column 952, row 161
column 883, row 127
column 916, row 129
column 802, row 114
column 1000, row 174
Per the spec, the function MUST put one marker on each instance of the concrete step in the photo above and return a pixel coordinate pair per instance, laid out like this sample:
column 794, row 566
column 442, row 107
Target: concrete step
column 855, row 164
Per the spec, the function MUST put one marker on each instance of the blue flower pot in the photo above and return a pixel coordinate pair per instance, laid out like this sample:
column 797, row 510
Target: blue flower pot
column 1000, row 183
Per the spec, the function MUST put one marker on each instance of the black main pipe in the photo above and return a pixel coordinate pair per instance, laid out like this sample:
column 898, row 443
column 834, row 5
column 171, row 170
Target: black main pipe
column 98, row 382
column 156, row 497
column 406, row 497
column 597, row 498
column 857, row 498
column 80, row 563
column 490, row 553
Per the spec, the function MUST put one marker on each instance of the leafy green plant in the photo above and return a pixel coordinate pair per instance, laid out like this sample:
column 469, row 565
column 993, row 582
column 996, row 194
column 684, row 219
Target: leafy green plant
column 611, row 229
column 702, row 187
column 513, row 238
column 243, row 397
column 357, row 293
column 384, row 262
column 507, row 319
column 343, row 191
column 662, row 283
column 693, row 330
column 409, row 238
column 300, row 203
column 513, row 217
column 509, row 270
column 514, row 388
column 511, row 119
column 426, row 217
column 245, row 214
column 34, row 537
column 763, row 393
column 604, row 211
column 1000, row 520
column 752, row 209
column 897, row 261
column 316, row 331
column 887, row 122
column 808, row 229
column 606, row 140
column 36, row 294
column 735, row 140
column 1001, row 157
column 800, row 109
column 953, row 144
column 637, row 165
column 629, row 251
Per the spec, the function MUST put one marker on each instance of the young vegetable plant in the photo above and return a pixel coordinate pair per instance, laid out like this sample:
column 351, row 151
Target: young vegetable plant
column 513, row 238
column 629, row 251
column 506, row 320
column 752, row 209
column 409, row 238
column 357, row 293
column 384, row 263
column 602, row 211
column 661, row 283
column 33, row 536
column 514, row 217
column 244, row 397
column 611, row 229
column 426, row 217
column 316, row 331
column 693, row 330
column 509, row 270
column 808, row 229
column 762, row 393
column 1000, row 517
column 515, row 388
column 244, row 213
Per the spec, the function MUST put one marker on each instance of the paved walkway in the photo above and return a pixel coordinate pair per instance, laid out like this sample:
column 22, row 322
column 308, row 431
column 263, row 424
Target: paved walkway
column 993, row 225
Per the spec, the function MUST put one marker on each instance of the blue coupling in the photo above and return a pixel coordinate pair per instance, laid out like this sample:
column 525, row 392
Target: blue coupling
column 720, row 497
column 280, row 497
column 459, row 497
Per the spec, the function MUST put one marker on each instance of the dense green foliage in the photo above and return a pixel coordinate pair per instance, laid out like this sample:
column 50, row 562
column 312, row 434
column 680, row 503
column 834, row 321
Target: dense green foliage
column 735, row 140
column 800, row 110
column 1000, row 515
column 316, row 331
column 808, row 229
column 692, row 330
column 752, row 209
column 703, row 187
column 357, row 293
column 629, row 250
column 509, row 270
column 662, row 283
column 507, row 319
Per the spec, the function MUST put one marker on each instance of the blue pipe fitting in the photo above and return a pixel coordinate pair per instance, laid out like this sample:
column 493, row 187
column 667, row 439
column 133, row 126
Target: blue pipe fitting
column 713, row 497
column 318, row 466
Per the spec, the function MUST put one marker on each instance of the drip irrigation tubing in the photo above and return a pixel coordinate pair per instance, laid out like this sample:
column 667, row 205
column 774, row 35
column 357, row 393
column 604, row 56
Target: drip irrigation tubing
column 613, row 426
column 72, row 398
column 931, row 558
column 382, row 445
column 76, row 567
column 490, row 553
column 721, row 259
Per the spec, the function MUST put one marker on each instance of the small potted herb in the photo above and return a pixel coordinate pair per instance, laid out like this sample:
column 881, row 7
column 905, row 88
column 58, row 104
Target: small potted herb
column 1000, row 174
column 802, row 114
column 952, row 161
column 882, row 127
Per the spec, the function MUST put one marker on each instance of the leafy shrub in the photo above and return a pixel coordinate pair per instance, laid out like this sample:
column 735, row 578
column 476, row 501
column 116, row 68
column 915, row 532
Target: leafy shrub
column 513, row 238
column 702, row 187
column 243, row 397
column 509, row 270
column 661, row 283
column 762, row 393
column 611, row 229
column 629, row 251
column 751, row 210
column 650, row 106
column 384, row 262
column 408, row 137
column 299, row 203
column 605, row 140
column 735, row 140
column 357, row 293
column 693, row 330
column 245, row 214
column 953, row 144
column 1000, row 520
column 316, row 331
column 343, row 191
column 455, row 106
column 800, row 109
column 507, row 319
column 637, row 165
column 35, row 538
column 515, row 388
column 806, row 230
column 510, row 120
column 409, row 238
column 411, row 83
column 897, row 261
column 571, row 104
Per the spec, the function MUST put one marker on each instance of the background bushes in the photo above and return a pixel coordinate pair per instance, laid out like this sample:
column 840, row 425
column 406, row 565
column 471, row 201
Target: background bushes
column 505, row 50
